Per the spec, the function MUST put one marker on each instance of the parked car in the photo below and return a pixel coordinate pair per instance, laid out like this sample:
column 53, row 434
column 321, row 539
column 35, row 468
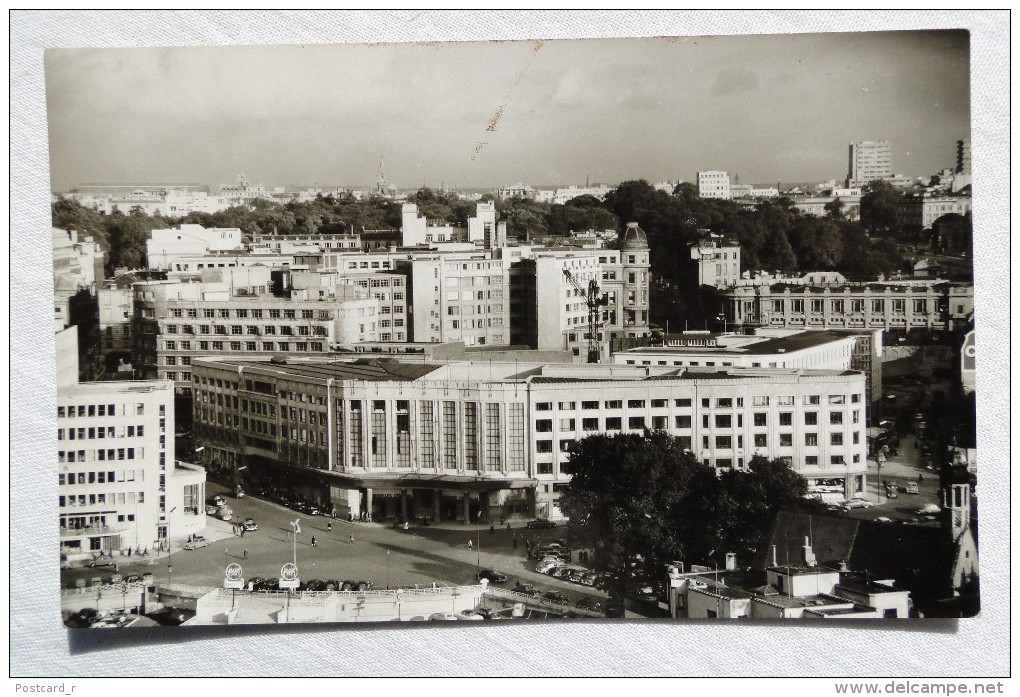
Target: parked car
column 211, row 509
column 554, row 597
column 442, row 617
column 250, row 525
column 891, row 490
column 257, row 583
column 470, row 616
column 547, row 565
column 526, row 589
column 491, row 576
column 218, row 500
column 538, row 524
column 883, row 519
column 589, row 604
column 312, row 509
column 928, row 509
column 857, row 503
column 912, row 488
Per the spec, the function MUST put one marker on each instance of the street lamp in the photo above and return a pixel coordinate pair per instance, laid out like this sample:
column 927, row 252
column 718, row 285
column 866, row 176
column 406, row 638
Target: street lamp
column 169, row 545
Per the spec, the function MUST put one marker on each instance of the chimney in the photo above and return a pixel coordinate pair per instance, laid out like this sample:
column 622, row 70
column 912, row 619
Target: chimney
column 775, row 562
column 731, row 561
column 843, row 566
column 809, row 555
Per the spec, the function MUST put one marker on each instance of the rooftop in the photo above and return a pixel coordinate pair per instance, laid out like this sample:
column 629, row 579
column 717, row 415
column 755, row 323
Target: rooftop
column 751, row 345
column 370, row 369
column 107, row 387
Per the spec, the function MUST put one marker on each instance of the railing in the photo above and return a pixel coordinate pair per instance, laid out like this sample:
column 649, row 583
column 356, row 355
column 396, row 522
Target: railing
column 517, row 597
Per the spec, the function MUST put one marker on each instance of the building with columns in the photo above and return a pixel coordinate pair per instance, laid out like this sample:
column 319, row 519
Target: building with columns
column 479, row 440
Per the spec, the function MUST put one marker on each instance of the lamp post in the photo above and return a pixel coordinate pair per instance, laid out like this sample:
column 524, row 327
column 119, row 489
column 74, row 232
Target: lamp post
column 169, row 545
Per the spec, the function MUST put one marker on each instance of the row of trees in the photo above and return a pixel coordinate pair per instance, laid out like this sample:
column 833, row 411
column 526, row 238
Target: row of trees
column 645, row 498
column 774, row 236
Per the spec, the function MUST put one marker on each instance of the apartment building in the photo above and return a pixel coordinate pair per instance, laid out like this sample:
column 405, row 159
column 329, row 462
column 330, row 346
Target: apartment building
column 165, row 245
column 717, row 259
column 869, row 160
column 482, row 229
column 714, row 184
column 479, row 440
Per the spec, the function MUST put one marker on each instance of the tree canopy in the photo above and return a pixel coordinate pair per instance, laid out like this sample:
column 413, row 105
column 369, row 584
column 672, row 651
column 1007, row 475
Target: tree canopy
column 634, row 496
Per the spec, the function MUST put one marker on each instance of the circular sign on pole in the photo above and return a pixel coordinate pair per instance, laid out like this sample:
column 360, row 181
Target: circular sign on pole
column 233, row 572
column 288, row 572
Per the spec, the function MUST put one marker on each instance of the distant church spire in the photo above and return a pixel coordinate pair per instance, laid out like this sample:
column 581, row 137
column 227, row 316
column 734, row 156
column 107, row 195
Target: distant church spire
column 382, row 183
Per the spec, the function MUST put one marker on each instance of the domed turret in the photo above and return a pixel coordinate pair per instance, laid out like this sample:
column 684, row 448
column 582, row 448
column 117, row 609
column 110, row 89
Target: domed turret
column 633, row 238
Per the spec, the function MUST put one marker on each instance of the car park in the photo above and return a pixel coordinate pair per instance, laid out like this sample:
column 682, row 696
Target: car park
column 539, row 524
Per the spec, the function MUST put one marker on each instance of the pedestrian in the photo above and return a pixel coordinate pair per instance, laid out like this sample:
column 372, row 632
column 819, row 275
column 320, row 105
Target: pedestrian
column 470, row 545
column 405, row 526
column 245, row 552
column 243, row 531
column 352, row 538
column 129, row 551
column 313, row 542
column 329, row 526
column 920, row 477
column 508, row 525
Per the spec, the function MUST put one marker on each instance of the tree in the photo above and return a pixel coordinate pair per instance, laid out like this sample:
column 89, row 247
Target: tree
column 834, row 208
column 643, row 500
column 878, row 206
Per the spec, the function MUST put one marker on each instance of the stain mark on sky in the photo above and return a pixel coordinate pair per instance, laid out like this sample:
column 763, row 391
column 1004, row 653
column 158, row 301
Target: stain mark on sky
column 494, row 120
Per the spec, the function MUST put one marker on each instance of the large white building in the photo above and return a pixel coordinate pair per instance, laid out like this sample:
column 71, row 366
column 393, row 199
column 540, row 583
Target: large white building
column 712, row 184
column 164, row 246
column 869, row 160
column 479, row 440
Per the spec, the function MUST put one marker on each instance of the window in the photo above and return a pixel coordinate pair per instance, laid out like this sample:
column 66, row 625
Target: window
column 762, row 401
column 761, row 440
column 635, row 404
column 811, row 439
column 811, row 418
column 836, row 460
column 567, row 406
column 836, row 438
column 836, row 418
column 810, row 459
column 760, row 418
column 636, row 422
column 614, row 423
column 590, row 424
column 589, row 405
column 682, row 403
column 785, row 418
column 543, row 406
column 723, row 442
column 724, row 403
column 683, row 421
column 660, row 403
column 812, row 399
column 614, row 404
column 723, row 421
column 785, row 440
column 567, row 424
column 543, row 446
column 543, row 426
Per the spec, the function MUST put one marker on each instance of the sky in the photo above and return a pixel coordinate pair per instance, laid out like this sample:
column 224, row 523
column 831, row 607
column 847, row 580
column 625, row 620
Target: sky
column 482, row 115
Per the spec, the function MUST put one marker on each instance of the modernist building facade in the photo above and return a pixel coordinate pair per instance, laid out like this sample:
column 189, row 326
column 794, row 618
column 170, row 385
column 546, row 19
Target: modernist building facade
column 891, row 305
column 480, row 440
column 118, row 484
column 714, row 184
column 923, row 210
column 869, row 160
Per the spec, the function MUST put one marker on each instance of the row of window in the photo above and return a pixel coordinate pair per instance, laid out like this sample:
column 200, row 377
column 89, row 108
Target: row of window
column 101, row 432
column 224, row 313
column 249, row 330
column 919, row 305
column 104, row 454
column 120, row 497
column 613, row 404
column 720, row 402
column 102, row 477
column 314, row 346
column 92, row 410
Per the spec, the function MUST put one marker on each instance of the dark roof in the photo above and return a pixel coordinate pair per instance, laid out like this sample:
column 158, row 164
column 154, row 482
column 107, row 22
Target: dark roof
column 361, row 369
column 918, row 558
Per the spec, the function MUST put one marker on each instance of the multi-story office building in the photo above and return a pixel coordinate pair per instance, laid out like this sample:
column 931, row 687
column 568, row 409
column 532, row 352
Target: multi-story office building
column 482, row 229
column 477, row 440
column 714, row 185
column 869, row 160
column 889, row 305
column 388, row 289
column 963, row 157
column 458, row 296
column 119, row 485
column 922, row 210
column 232, row 313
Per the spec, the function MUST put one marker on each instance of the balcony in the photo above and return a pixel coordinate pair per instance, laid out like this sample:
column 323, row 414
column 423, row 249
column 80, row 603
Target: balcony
column 92, row 531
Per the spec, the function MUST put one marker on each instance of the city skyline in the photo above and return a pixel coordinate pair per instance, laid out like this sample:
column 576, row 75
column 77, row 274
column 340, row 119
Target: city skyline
column 486, row 115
